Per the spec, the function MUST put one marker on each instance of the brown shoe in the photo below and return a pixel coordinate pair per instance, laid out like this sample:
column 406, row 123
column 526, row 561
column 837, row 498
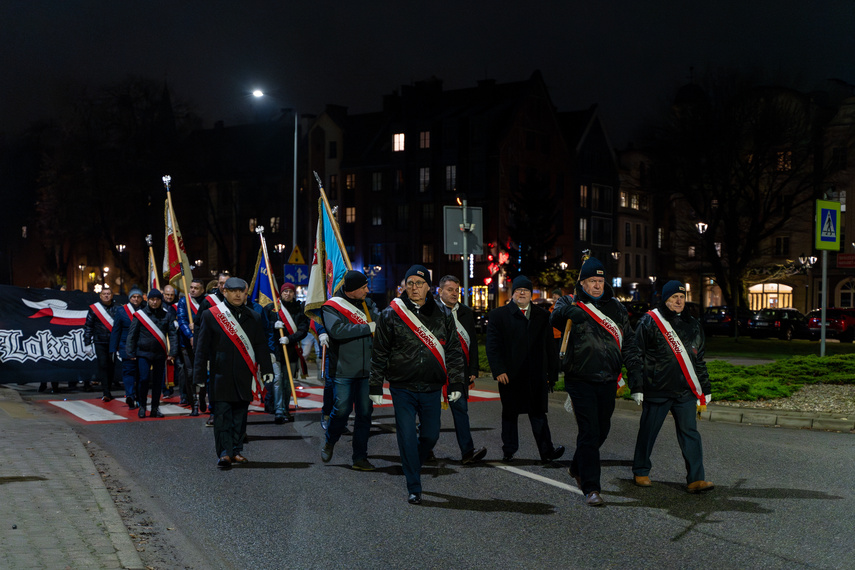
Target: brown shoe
column 238, row 458
column 643, row 481
column 700, row 487
column 593, row 499
column 224, row 462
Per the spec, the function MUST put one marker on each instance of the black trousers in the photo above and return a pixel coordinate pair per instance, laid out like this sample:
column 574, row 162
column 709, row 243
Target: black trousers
column 107, row 369
column 229, row 427
column 593, row 406
column 184, row 373
column 539, row 428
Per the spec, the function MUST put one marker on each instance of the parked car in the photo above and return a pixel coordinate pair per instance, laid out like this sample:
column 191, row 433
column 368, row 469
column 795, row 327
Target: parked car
column 719, row 319
column 840, row 324
column 784, row 324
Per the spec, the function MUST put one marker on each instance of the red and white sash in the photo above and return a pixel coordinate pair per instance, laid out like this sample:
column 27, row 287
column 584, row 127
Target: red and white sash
column 103, row 315
column 462, row 333
column 237, row 335
column 286, row 318
column 611, row 327
column 152, row 328
column 129, row 309
column 193, row 304
column 352, row 314
column 421, row 331
column 680, row 354
column 212, row 299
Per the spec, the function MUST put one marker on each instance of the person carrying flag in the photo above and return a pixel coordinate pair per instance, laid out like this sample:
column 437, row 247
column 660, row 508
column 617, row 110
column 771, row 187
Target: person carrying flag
column 295, row 325
column 417, row 351
column 151, row 342
column 675, row 380
column 96, row 332
column 118, row 345
column 184, row 362
column 601, row 342
column 233, row 341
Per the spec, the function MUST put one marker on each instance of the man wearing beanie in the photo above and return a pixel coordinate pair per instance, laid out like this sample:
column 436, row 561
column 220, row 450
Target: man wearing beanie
column 524, row 361
column 349, row 319
column 232, row 340
column 601, row 342
column 118, row 345
column 295, row 326
column 96, row 333
column 151, row 342
column 417, row 351
column 672, row 345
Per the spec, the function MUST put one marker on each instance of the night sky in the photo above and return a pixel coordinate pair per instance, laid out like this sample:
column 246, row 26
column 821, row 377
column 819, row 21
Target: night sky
column 628, row 57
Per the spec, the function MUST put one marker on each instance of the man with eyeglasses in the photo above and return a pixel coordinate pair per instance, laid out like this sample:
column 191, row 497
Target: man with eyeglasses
column 417, row 351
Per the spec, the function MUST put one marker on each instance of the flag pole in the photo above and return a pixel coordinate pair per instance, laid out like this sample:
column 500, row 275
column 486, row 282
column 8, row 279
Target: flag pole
column 166, row 180
column 260, row 231
column 151, row 265
column 334, row 225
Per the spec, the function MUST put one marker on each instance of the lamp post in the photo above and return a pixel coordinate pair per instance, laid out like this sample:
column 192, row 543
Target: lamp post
column 120, row 247
column 652, row 287
column 702, row 228
column 82, row 267
column 807, row 262
column 371, row 271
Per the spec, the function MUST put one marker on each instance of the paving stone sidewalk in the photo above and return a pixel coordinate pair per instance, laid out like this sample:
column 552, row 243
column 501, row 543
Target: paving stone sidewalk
column 57, row 513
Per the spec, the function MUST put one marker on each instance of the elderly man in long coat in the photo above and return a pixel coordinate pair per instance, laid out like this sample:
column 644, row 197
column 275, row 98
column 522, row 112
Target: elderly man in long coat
column 523, row 359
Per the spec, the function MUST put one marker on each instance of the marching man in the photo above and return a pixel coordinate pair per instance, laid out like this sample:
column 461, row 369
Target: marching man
column 97, row 331
column 151, row 342
column 231, row 340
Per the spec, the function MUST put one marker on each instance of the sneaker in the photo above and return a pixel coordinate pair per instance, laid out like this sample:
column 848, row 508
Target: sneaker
column 474, row 455
column 326, row 452
column 363, row 465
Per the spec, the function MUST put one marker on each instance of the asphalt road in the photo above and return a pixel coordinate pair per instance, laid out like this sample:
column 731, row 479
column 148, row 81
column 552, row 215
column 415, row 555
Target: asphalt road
column 783, row 499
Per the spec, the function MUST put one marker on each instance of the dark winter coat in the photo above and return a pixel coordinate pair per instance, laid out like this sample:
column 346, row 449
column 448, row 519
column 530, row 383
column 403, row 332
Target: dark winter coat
column 466, row 316
column 400, row 358
column 592, row 353
column 295, row 309
column 142, row 343
column 522, row 348
column 663, row 376
column 350, row 345
column 231, row 378
column 119, row 336
column 94, row 330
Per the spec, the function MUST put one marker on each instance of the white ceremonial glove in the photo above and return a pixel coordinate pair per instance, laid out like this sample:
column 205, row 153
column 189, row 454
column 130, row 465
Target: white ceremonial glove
column 454, row 396
column 378, row 399
column 638, row 397
column 279, row 325
column 118, row 357
column 324, row 339
column 273, row 360
column 568, row 404
column 283, row 340
column 89, row 350
column 709, row 398
column 267, row 378
column 372, row 325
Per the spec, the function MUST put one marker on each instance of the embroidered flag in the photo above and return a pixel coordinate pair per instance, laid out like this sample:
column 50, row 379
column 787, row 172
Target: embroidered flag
column 175, row 261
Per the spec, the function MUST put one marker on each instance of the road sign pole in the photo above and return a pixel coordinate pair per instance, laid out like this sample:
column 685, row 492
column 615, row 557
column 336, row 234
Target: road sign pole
column 465, row 229
column 824, row 301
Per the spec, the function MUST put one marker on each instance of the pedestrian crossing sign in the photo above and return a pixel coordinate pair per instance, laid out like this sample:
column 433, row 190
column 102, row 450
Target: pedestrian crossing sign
column 827, row 225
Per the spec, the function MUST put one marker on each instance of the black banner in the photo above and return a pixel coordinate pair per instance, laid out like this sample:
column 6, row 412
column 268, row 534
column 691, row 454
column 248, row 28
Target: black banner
column 41, row 335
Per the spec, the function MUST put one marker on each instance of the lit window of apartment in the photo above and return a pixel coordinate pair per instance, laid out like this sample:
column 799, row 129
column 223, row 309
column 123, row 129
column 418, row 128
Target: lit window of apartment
column 427, row 253
column 377, row 216
column 376, row 181
column 691, row 251
column 451, row 177
column 633, row 201
column 660, row 237
column 350, row 215
column 424, row 139
column 398, row 141
column 253, row 223
column 623, row 199
column 424, row 179
column 583, row 196
column 583, row 229
column 350, row 181
column 274, row 224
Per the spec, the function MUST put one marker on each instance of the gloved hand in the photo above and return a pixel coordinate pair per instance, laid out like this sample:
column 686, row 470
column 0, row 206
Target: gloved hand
column 89, row 350
column 324, row 339
column 118, row 357
column 372, row 325
column 568, row 405
column 378, row 399
column 278, row 325
column 638, row 397
column 708, row 398
column 283, row 340
column 454, row 396
column 267, row 378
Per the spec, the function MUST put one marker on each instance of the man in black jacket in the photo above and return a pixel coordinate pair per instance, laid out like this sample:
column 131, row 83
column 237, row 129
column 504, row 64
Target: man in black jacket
column 295, row 325
column 350, row 342
column 523, row 360
column 601, row 342
column 416, row 350
column 233, row 341
column 96, row 332
column 151, row 342
column 464, row 320
column 675, row 380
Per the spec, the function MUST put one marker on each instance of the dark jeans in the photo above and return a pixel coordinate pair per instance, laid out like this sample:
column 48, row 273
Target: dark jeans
column 593, row 405
column 653, row 415
column 151, row 373
column 107, row 369
column 539, row 428
column 184, row 373
column 351, row 394
column 229, row 427
column 415, row 443
column 460, row 414
column 329, row 396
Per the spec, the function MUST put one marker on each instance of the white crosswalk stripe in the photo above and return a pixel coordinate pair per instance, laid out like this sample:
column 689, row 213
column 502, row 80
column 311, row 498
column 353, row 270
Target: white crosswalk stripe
column 86, row 411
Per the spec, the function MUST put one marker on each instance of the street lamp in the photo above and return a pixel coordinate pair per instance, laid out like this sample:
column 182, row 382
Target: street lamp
column 371, row 271
column 82, row 267
column 104, row 278
column 702, row 228
column 807, row 262
column 652, row 287
column 120, row 247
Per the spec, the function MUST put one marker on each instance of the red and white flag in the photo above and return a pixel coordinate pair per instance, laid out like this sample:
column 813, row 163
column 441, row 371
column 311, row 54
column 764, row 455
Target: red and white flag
column 175, row 259
column 153, row 278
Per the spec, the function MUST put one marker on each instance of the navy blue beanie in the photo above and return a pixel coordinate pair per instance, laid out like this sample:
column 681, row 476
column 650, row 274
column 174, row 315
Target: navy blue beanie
column 154, row 294
column 521, row 282
column 672, row 288
column 420, row 271
column 592, row 268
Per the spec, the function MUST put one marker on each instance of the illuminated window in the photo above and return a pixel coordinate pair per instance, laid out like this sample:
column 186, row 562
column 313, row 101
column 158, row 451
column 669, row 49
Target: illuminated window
column 350, row 181
column 376, row 181
column 427, row 253
column 623, row 199
column 350, row 215
column 253, row 223
column 424, row 139
column 660, row 237
column 274, row 224
column 583, row 229
column 424, row 179
column 583, row 196
column 399, row 142
column 633, row 202
column 377, row 216
column 691, row 251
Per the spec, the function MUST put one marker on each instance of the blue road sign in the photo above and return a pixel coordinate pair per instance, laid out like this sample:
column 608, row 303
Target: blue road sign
column 296, row 274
